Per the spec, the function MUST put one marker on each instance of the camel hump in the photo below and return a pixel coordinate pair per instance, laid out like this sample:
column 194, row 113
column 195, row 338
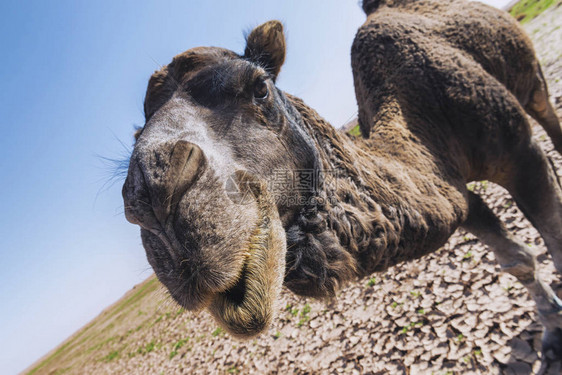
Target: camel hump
column 369, row 6
column 398, row 64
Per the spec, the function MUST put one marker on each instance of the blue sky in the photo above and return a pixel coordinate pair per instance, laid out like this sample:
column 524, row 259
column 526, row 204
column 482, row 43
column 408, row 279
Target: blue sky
column 73, row 79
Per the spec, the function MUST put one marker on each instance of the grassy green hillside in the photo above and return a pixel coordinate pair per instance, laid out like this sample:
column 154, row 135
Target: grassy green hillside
column 99, row 340
column 526, row 10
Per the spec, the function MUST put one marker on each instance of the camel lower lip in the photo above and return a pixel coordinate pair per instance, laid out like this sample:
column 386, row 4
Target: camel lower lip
column 241, row 308
column 246, row 308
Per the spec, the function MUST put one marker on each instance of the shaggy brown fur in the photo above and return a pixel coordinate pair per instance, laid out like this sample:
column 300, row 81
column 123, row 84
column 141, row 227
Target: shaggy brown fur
column 441, row 88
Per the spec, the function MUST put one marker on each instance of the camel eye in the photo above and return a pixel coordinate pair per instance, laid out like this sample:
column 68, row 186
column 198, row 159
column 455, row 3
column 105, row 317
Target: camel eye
column 260, row 89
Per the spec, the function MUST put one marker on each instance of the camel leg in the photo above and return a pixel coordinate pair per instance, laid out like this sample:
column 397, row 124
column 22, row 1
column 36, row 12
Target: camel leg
column 518, row 259
column 535, row 187
column 541, row 110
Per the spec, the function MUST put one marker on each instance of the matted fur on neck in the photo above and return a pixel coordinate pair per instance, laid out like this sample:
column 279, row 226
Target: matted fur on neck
column 361, row 223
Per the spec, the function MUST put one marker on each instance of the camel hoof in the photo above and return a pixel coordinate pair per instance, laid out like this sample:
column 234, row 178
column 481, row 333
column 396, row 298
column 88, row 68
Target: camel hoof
column 551, row 353
column 552, row 344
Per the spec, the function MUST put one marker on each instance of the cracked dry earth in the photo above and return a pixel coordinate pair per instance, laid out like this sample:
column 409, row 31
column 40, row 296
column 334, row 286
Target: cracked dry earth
column 452, row 312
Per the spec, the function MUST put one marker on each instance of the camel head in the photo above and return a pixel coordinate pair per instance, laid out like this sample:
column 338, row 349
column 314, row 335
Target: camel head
column 217, row 132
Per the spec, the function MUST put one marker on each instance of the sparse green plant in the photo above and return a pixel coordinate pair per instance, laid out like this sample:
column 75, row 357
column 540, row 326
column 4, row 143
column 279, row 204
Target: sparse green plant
column 372, row 281
column 277, row 335
column 415, row 293
column 150, row 346
column 304, row 315
column 410, row 326
column 181, row 343
column 291, row 310
column 111, row 356
column 217, row 332
column 180, row 311
column 467, row 256
column 177, row 346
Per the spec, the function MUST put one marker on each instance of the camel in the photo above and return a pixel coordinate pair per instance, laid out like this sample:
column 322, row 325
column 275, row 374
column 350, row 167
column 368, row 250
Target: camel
column 240, row 188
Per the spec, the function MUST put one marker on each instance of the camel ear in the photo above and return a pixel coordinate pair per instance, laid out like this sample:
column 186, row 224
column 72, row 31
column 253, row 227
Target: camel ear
column 265, row 46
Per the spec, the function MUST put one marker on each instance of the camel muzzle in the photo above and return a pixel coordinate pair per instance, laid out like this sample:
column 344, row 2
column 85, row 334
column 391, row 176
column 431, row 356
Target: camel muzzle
column 161, row 188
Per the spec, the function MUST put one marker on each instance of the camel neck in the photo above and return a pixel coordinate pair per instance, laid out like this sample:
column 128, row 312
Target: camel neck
column 374, row 203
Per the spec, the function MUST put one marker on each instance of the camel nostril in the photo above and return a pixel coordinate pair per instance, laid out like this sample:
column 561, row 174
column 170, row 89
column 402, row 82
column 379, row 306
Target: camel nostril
column 185, row 164
column 158, row 180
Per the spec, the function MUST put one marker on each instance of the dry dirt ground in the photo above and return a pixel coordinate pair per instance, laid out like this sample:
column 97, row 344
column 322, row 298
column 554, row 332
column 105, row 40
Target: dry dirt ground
column 449, row 313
